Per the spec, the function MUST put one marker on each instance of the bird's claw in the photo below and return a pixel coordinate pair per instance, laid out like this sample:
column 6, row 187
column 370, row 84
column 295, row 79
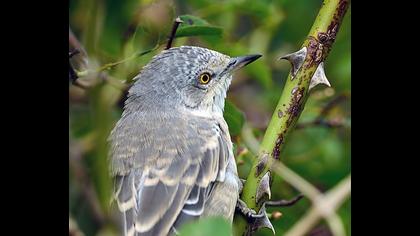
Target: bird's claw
column 256, row 221
column 260, row 219
column 245, row 210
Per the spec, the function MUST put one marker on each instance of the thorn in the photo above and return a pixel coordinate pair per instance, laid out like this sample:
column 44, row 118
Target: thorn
column 256, row 221
column 263, row 221
column 296, row 59
column 319, row 77
column 261, row 164
column 263, row 188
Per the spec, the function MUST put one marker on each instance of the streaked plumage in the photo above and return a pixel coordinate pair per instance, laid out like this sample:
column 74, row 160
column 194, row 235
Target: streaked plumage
column 171, row 153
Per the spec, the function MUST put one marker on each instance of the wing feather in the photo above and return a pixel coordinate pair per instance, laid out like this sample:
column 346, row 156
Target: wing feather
column 164, row 173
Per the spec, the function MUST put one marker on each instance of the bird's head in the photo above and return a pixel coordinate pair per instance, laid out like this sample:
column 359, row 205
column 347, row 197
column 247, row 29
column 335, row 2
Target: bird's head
column 186, row 77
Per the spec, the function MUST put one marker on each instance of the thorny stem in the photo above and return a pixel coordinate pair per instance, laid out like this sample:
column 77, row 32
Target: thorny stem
column 293, row 98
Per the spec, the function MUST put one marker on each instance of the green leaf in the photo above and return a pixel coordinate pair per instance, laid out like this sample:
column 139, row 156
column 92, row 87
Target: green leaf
column 234, row 118
column 194, row 26
column 207, row 227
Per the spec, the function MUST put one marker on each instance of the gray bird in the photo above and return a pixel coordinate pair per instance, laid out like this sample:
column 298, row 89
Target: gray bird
column 170, row 153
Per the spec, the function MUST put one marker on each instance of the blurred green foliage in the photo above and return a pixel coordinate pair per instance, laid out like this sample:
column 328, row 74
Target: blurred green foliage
column 234, row 117
column 113, row 30
column 208, row 227
column 194, row 26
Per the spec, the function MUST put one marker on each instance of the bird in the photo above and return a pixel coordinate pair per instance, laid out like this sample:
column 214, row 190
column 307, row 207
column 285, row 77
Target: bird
column 171, row 154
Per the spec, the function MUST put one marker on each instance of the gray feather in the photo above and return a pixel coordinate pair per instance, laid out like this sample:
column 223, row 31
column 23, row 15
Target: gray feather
column 194, row 165
column 163, row 226
column 196, row 209
column 153, row 203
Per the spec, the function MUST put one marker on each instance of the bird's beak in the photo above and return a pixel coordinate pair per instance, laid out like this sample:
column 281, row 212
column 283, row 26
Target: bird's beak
column 239, row 62
column 236, row 63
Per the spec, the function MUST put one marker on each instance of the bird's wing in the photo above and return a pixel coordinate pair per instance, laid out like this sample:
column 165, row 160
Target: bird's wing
column 165, row 169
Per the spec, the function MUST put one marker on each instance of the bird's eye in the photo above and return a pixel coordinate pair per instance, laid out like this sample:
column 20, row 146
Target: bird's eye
column 204, row 78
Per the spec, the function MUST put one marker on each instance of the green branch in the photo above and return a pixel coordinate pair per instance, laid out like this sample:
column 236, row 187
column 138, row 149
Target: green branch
column 293, row 98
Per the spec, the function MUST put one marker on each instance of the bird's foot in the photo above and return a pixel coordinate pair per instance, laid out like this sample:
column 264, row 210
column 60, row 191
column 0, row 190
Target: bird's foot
column 262, row 198
column 255, row 221
column 260, row 219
